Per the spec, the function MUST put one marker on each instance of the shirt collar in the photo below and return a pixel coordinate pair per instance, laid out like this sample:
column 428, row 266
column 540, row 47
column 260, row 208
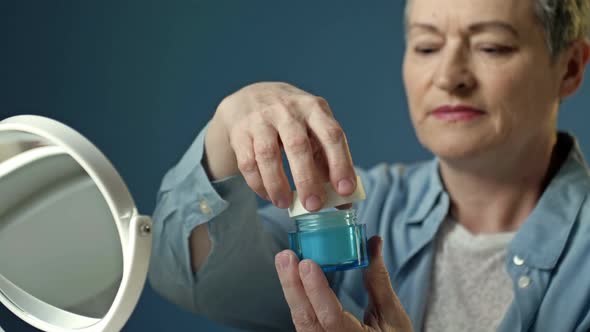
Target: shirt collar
column 543, row 236
column 422, row 201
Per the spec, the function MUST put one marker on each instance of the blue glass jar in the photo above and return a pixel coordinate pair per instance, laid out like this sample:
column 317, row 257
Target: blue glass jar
column 332, row 239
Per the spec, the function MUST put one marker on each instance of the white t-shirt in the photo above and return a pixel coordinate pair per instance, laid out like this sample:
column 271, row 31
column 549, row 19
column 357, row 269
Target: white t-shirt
column 470, row 288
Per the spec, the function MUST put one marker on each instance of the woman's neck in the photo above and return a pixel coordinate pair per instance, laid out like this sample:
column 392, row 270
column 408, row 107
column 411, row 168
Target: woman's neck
column 497, row 195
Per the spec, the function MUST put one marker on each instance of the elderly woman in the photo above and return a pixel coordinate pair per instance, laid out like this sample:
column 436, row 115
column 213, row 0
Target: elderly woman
column 494, row 233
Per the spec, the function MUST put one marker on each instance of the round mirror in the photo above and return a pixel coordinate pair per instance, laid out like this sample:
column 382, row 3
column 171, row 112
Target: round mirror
column 74, row 251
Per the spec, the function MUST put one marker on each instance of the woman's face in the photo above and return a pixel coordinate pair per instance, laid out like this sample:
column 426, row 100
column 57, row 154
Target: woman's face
column 479, row 77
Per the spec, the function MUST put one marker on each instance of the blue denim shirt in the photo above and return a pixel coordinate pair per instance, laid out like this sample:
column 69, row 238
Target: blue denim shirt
column 548, row 259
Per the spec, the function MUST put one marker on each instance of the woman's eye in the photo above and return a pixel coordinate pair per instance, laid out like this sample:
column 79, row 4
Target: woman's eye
column 425, row 50
column 496, row 49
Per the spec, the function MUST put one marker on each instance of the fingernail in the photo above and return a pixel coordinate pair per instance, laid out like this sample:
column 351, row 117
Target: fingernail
column 282, row 261
column 313, row 203
column 305, row 268
column 377, row 246
column 345, row 186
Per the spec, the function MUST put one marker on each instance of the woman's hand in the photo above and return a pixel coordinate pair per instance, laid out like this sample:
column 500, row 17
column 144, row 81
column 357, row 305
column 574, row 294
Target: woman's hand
column 253, row 125
column 315, row 307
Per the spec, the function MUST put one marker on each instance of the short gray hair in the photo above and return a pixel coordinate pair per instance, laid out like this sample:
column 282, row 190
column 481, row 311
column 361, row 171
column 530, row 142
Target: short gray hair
column 564, row 22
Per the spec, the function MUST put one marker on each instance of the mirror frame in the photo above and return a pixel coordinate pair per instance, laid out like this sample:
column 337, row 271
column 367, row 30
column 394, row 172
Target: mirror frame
column 134, row 233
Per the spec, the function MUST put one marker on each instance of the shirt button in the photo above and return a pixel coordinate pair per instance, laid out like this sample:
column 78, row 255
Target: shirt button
column 524, row 282
column 204, row 207
column 517, row 260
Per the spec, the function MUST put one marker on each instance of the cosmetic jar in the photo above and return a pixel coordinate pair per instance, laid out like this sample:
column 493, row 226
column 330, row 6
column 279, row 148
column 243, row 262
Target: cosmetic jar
column 334, row 239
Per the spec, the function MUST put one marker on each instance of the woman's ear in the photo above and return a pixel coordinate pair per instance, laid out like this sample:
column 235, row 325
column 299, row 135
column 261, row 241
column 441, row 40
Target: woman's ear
column 576, row 58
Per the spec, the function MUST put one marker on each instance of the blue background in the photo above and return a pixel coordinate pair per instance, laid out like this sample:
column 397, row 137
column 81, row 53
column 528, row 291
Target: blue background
column 141, row 78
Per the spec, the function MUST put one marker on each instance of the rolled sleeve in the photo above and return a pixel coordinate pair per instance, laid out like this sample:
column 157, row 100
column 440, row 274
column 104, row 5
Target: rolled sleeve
column 186, row 199
column 189, row 187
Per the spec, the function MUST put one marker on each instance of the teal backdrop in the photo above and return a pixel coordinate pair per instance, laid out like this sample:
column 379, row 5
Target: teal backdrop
column 141, row 78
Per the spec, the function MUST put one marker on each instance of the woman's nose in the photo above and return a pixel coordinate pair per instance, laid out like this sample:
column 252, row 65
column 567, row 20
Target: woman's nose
column 453, row 74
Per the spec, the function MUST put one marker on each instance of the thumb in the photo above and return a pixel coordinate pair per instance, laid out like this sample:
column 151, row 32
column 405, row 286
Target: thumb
column 384, row 304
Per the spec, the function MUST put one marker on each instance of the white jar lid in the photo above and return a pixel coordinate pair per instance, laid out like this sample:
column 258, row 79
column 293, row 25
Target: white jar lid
column 332, row 198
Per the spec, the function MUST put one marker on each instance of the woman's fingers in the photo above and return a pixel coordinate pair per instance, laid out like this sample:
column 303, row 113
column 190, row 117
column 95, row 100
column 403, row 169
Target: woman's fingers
column 267, row 154
column 385, row 309
column 241, row 143
column 324, row 301
column 333, row 141
column 298, row 149
column 315, row 307
column 264, row 118
column 302, row 312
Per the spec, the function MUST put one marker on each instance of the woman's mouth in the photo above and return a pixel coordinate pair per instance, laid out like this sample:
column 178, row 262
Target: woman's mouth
column 456, row 113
